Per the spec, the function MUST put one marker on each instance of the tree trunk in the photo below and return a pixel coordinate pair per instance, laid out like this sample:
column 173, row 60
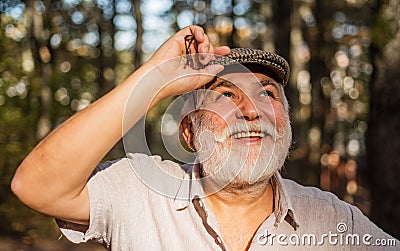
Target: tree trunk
column 383, row 138
column 139, row 34
column 40, row 34
column 282, row 11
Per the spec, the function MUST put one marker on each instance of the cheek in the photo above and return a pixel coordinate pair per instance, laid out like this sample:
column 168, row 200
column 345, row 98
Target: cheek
column 281, row 116
column 277, row 114
column 214, row 121
column 218, row 114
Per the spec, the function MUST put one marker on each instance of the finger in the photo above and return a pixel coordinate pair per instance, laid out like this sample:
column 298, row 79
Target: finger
column 222, row 50
column 204, row 76
column 205, row 50
column 212, row 69
column 197, row 32
column 204, row 47
column 180, row 37
column 213, row 52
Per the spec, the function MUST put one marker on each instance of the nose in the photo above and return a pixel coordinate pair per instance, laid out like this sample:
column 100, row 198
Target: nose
column 247, row 110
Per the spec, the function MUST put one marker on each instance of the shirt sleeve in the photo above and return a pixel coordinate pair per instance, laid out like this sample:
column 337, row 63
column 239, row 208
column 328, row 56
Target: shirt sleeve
column 371, row 237
column 104, row 186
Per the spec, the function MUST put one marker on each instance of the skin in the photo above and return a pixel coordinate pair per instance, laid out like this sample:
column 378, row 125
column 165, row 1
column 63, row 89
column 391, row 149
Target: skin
column 245, row 100
column 54, row 164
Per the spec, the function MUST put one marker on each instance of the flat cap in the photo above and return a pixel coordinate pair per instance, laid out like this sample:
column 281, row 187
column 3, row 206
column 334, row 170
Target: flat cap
column 273, row 62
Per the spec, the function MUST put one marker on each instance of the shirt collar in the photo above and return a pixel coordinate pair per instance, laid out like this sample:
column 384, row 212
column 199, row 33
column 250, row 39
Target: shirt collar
column 283, row 207
column 191, row 188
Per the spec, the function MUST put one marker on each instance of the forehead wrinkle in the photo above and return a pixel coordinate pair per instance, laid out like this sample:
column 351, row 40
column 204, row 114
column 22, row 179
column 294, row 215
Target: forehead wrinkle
column 221, row 82
column 267, row 81
column 229, row 84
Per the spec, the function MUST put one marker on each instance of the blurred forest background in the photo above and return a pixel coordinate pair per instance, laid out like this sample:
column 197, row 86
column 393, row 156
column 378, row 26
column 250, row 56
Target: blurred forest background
column 57, row 57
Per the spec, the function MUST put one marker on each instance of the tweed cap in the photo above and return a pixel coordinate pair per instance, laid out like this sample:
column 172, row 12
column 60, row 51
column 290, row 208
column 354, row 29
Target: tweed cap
column 271, row 61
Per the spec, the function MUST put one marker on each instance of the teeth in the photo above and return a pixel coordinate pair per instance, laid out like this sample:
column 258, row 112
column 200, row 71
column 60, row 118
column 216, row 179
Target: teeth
column 248, row 134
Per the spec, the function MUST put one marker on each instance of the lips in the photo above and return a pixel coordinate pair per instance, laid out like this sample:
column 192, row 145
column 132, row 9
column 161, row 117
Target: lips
column 240, row 135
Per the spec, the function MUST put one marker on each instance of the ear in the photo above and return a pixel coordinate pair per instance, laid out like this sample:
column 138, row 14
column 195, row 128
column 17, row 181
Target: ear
column 187, row 131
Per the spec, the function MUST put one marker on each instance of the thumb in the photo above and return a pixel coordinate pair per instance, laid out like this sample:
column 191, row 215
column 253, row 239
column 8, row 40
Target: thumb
column 213, row 69
column 207, row 74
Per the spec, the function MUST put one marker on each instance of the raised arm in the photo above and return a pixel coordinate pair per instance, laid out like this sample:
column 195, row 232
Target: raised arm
column 52, row 178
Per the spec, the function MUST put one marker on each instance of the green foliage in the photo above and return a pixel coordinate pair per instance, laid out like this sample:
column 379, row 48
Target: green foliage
column 57, row 57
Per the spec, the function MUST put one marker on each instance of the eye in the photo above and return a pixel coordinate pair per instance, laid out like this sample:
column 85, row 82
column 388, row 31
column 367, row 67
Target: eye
column 266, row 93
column 226, row 94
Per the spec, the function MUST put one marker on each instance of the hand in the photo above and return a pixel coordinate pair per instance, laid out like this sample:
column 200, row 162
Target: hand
column 170, row 62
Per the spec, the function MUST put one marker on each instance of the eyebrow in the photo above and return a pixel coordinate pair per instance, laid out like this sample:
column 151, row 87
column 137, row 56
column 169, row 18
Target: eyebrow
column 265, row 82
column 221, row 83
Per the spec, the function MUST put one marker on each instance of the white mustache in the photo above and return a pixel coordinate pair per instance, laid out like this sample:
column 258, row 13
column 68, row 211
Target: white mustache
column 248, row 128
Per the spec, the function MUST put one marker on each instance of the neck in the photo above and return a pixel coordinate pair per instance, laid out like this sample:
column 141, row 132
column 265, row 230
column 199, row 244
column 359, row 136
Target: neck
column 239, row 191
column 244, row 198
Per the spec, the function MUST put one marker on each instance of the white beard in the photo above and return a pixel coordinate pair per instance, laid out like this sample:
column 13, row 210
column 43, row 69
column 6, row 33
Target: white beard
column 224, row 162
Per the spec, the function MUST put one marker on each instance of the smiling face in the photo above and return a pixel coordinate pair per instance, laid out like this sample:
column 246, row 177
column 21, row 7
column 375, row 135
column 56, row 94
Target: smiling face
column 242, row 131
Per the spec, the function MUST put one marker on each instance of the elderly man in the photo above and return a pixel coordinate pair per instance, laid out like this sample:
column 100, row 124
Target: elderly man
column 231, row 198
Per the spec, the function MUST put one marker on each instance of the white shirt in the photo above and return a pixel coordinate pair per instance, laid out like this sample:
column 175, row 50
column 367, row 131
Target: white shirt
column 144, row 203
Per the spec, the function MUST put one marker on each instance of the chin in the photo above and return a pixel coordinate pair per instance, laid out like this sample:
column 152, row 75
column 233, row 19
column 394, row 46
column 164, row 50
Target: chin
column 227, row 162
column 241, row 168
